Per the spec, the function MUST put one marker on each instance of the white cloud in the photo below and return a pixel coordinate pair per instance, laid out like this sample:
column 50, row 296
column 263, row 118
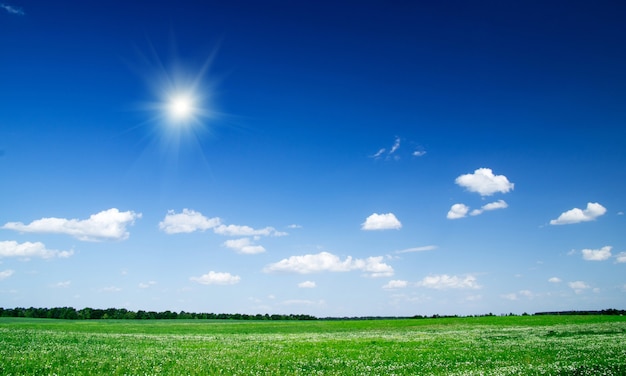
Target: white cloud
column 418, row 249
column 12, row 9
column 186, row 222
column 377, row 221
column 576, row 215
column 327, row 262
column 111, row 289
column 457, row 211
column 294, row 226
column 500, row 204
column 216, row 278
column 601, row 254
column 236, row 230
column 554, row 280
column 484, row 182
column 145, row 285
column 396, row 284
column 578, row 286
column 419, row 153
column 444, row 282
column 27, row 250
column 621, row 257
column 307, row 285
column 396, row 146
column 6, row 274
column 511, row 296
column 106, row 225
column 378, row 153
column 244, row 245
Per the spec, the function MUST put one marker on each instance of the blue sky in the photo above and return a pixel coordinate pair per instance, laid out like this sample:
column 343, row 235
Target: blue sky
column 334, row 159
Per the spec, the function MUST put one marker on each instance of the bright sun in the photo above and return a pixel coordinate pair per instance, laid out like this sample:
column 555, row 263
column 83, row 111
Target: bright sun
column 181, row 108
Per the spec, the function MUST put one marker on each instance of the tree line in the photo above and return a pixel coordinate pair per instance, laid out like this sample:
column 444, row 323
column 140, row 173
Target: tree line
column 70, row 313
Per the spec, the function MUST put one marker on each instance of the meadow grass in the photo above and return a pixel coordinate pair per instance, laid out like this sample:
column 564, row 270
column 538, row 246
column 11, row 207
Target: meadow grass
column 522, row 345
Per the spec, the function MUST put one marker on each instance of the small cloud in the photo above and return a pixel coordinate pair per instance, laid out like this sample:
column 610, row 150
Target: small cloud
column 293, row 226
column 576, row 215
column 307, row 285
column 303, row 302
column 500, row 204
column 396, row 146
column 418, row 249
column 601, row 254
column 396, row 284
column 511, row 296
column 419, row 153
column 620, row 257
column 555, row 280
column 379, row 153
column 578, row 286
column 457, row 211
column 236, row 230
column 111, row 289
column 216, row 278
column 12, row 9
column 244, row 245
column 145, row 285
column 27, row 250
column 106, row 225
column 327, row 262
column 6, row 274
column 187, row 221
column 620, row 213
column 484, row 182
column 386, row 221
column 444, row 282
column 62, row 285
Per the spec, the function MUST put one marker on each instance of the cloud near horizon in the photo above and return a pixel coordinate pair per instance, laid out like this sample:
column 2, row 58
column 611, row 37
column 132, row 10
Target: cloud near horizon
column 377, row 221
column 576, row 215
column 484, row 182
column 27, row 250
column 106, row 225
column 328, row 262
column 445, row 282
column 216, row 278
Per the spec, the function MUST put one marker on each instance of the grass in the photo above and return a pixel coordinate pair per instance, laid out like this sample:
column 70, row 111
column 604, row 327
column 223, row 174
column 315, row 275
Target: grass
column 523, row 345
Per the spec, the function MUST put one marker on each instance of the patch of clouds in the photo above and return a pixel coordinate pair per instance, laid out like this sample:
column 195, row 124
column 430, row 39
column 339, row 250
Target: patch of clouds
column 236, row 230
column 187, row 221
column 484, row 182
column 307, row 285
column 418, row 249
column 111, row 289
column 578, row 286
column 377, row 221
column 28, row 250
column 620, row 258
column 328, row 262
column 293, row 226
column 244, row 245
column 396, row 284
column 445, row 282
column 145, row 285
column 11, row 9
column 555, row 280
column 62, row 285
column 106, row 225
column 217, row 278
column 601, row 254
column 392, row 153
column 500, row 204
column 576, row 215
column 6, row 274
column 418, row 153
column 457, row 211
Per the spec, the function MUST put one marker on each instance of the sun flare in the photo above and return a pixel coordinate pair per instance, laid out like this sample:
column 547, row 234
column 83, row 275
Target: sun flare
column 181, row 108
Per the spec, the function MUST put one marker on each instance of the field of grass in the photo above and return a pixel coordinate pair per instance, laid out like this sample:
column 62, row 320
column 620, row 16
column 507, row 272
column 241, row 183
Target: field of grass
column 522, row 345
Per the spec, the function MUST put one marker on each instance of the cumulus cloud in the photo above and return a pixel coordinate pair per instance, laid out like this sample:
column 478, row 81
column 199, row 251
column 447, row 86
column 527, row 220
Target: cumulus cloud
column 500, row 204
column 307, row 285
column 418, row 249
column 445, row 282
column 27, row 250
column 106, row 225
column 576, row 215
column 578, row 286
column 217, row 278
column 554, row 280
column 187, row 221
column 12, row 9
column 6, row 274
column 484, row 182
column 601, row 254
column 327, row 262
column 457, row 211
column 145, row 285
column 620, row 257
column 244, row 245
column 377, row 221
column 396, row 284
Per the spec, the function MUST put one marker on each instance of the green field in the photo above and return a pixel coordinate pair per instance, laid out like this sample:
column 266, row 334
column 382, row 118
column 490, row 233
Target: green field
column 521, row 345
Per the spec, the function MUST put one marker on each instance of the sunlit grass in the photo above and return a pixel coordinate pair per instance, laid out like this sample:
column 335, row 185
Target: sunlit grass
column 547, row 345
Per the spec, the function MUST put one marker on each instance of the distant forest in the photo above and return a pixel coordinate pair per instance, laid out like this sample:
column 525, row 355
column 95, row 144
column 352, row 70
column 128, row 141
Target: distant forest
column 69, row 313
